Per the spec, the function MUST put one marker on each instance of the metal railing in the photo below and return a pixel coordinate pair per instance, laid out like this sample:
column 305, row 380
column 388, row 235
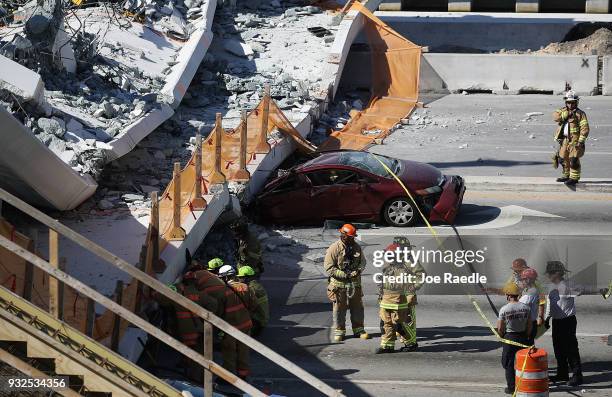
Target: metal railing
column 210, row 320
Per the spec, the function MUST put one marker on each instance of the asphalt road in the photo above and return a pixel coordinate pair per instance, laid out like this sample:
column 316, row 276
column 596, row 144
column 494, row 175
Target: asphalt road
column 484, row 134
column 458, row 355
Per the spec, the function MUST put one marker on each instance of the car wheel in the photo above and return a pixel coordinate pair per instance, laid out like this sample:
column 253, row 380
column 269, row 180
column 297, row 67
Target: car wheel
column 400, row 212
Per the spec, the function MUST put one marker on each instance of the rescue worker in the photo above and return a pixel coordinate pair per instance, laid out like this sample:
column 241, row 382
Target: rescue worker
column 513, row 324
column 562, row 310
column 571, row 135
column 397, row 301
column 249, row 248
column 189, row 326
column 261, row 314
column 344, row 262
column 531, row 297
column 235, row 354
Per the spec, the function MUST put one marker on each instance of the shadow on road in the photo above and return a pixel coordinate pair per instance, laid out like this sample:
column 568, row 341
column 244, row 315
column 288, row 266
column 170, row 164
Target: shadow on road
column 486, row 163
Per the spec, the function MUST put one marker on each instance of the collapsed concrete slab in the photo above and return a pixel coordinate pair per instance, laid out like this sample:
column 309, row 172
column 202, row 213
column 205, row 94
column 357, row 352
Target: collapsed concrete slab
column 31, row 171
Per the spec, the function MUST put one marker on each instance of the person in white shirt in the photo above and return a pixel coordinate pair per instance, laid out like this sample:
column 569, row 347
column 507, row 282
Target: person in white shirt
column 562, row 310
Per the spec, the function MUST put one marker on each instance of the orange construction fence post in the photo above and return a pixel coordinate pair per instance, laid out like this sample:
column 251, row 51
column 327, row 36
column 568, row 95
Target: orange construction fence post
column 242, row 174
column 198, row 202
column 262, row 144
column 217, row 175
column 176, row 232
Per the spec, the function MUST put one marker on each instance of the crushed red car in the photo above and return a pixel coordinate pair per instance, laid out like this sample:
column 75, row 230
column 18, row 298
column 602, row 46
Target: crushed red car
column 354, row 186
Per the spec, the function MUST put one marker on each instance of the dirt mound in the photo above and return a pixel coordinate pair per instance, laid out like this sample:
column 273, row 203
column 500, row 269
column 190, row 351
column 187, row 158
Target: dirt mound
column 598, row 43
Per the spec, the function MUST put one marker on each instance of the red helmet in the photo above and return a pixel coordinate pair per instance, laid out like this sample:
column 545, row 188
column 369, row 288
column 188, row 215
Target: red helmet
column 349, row 230
column 529, row 274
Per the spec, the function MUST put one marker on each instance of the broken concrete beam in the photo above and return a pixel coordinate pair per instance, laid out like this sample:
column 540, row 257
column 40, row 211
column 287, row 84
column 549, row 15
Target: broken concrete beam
column 21, row 81
column 64, row 50
column 237, row 48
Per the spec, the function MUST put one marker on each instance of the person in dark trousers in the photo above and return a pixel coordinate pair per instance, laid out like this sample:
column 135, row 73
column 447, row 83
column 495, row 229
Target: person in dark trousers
column 513, row 324
column 562, row 310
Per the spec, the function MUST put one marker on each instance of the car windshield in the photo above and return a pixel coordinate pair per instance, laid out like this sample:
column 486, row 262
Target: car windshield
column 367, row 162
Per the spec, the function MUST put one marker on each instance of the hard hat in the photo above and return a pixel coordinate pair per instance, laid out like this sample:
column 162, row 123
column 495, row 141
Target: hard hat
column 511, row 289
column 348, row 230
column 529, row 274
column 227, row 271
column 519, row 264
column 402, row 241
column 215, row 263
column 570, row 96
column 555, row 267
column 246, row 271
column 173, row 287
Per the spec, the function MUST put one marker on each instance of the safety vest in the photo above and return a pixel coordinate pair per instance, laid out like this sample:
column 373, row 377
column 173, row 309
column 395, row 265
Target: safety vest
column 262, row 311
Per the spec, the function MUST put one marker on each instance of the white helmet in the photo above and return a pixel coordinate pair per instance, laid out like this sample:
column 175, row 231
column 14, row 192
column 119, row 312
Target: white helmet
column 570, row 96
column 227, row 271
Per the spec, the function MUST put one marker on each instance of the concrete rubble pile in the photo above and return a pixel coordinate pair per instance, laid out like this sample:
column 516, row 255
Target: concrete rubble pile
column 107, row 87
column 254, row 44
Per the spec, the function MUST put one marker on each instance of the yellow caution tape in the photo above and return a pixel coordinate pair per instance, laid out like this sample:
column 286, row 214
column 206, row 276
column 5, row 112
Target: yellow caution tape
column 478, row 309
column 77, row 2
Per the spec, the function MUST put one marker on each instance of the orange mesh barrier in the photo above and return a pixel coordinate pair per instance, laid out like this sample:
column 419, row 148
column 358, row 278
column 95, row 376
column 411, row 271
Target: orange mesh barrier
column 395, row 86
column 230, row 153
column 230, row 159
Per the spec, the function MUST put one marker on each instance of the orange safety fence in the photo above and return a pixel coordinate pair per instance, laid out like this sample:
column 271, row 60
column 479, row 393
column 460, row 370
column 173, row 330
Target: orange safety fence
column 229, row 164
column 230, row 159
column 395, row 86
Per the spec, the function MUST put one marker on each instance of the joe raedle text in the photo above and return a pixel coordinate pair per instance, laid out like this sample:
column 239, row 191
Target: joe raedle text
column 446, row 278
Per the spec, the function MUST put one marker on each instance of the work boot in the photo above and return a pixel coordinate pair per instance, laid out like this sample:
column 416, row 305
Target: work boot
column 562, row 179
column 575, row 380
column 571, row 182
column 383, row 350
column 410, row 348
column 338, row 338
column 604, row 292
column 364, row 335
column 508, row 390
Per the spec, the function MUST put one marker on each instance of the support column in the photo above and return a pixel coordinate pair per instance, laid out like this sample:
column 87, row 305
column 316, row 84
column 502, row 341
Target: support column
column 198, row 202
column 242, row 174
column 460, row 5
column 217, row 175
column 597, row 6
column 177, row 233
column 527, row 5
column 262, row 145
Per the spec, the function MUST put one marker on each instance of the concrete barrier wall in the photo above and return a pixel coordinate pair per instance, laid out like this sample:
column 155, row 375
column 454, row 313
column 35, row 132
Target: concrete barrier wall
column 502, row 74
column 485, row 31
column 508, row 74
column 606, row 76
column 589, row 6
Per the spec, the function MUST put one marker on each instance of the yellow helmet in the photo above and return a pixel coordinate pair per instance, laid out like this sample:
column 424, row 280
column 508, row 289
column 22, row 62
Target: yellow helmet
column 512, row 289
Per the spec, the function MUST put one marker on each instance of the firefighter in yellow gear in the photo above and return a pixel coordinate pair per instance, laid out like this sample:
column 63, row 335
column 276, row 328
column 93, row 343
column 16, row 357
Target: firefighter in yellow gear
column 261, row 313
column 571, row 135
column 249, row 248
column 344, row 262
column 397, row 299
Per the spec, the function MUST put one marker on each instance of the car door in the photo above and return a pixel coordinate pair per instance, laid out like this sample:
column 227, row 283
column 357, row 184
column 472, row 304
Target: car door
column 336, row 193
column 288, row 201
column 358, row 196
